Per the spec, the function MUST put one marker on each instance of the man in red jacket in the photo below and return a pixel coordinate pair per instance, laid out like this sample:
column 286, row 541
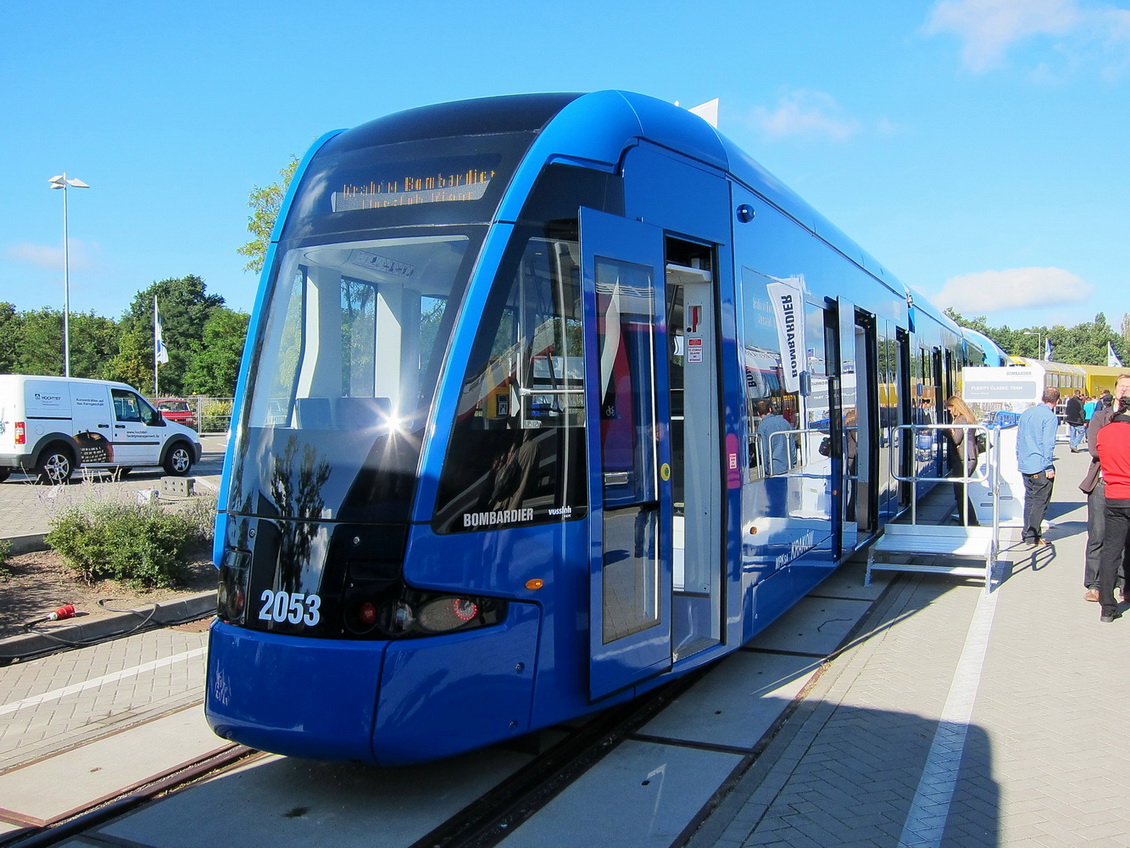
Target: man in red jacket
column 1113, row 445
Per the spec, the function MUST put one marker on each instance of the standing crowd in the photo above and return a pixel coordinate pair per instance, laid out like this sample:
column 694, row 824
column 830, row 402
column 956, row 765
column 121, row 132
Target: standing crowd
column 1104, row 422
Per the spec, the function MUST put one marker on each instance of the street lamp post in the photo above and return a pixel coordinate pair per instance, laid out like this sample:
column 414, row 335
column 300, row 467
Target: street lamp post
column 1039, row 341
column 61, row 181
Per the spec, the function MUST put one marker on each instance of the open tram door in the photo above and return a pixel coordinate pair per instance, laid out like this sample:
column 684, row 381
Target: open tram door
column 629, row 472
column 857, row 416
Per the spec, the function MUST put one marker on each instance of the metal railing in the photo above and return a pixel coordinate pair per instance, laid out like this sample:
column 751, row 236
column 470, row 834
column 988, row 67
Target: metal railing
column 965, row 541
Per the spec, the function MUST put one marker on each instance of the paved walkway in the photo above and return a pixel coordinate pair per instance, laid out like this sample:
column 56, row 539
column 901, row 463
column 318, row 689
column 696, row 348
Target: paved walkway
column 26, row 507
column 958, row 719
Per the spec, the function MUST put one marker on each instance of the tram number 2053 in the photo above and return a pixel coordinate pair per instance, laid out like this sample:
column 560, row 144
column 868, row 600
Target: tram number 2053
column 294, row 607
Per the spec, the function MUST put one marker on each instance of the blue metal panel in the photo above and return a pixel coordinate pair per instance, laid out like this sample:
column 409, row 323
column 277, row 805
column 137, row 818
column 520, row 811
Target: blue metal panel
column 593, row 129
column 663, row 189
column 303, row 697
column 678, row 129
column 497, row 562
column 447, row 694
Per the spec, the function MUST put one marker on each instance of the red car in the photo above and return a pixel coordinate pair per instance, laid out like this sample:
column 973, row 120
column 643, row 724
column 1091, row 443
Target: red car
column 178, row 410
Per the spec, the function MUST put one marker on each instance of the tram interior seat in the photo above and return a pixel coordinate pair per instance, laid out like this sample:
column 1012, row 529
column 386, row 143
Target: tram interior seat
column 313, row 413
column 359, row 413
column 347, row 413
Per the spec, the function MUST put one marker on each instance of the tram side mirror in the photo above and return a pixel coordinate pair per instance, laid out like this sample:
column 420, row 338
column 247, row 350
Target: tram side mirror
column 805, row 383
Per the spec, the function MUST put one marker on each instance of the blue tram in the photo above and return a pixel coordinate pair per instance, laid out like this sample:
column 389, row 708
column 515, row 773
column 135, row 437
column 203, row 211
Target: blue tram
column 546, row 400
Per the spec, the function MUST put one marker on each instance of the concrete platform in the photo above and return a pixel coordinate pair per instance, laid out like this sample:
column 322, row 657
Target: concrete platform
column 958, row 718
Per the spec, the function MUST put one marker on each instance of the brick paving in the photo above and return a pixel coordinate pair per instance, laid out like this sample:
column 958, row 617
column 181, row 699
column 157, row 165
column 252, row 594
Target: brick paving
column 1041, row 761
column 149, row 675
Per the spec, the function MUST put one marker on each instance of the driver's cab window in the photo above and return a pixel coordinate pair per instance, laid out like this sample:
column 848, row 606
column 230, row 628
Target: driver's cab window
column 129, row 407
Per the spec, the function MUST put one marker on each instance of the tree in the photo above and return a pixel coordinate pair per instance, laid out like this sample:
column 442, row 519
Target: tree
column 41, row 343
column 265, row 203
column 95, row 342
column 185, row 307
column 215, row 364
column 134, row 362
column 10, row 332
column 1083, row 344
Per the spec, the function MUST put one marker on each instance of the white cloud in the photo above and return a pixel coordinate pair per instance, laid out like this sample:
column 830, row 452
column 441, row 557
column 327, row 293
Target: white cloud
column 1078, row 31
column 1015, row 288
column 807, row 113
column 43, row 256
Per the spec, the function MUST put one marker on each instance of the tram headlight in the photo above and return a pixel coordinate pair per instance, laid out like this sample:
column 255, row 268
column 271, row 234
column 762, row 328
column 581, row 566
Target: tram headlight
column 231, row 594
column 413, row 614
column 444, row 614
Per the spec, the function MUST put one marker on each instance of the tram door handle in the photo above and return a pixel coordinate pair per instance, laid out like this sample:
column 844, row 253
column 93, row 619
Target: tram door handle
column 616, row 478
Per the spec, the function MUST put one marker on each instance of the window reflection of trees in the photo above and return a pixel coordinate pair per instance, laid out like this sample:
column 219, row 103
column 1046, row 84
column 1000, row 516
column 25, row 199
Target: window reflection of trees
column 296, row 490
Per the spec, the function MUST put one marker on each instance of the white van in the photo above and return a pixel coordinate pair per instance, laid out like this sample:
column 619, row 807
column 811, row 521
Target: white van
column 50, row 426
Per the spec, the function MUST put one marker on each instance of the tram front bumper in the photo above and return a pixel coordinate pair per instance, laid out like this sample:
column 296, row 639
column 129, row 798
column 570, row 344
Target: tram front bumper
column 387, row 702
column 295, row 696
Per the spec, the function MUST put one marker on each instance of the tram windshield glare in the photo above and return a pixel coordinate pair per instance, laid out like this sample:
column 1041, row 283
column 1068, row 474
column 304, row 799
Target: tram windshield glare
column 356, row 321
column 345, row 372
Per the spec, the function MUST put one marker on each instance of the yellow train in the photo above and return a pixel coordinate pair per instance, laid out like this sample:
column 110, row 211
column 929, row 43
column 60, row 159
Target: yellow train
column 1093, row 380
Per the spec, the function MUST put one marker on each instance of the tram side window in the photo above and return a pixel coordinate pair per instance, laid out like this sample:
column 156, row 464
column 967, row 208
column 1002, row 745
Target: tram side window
column 517, row 449
column 771, row 410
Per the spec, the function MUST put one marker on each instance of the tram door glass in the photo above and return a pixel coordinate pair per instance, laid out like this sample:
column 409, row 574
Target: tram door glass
column 626, row 344
column 630, row 564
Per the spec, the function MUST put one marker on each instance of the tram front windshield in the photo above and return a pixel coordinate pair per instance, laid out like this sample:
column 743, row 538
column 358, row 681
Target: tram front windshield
column 344, row 374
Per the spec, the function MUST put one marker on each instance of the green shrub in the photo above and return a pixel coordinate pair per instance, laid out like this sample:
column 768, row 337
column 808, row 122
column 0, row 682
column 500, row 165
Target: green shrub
column 140, row 544
column 216, row 416
column 5, row 553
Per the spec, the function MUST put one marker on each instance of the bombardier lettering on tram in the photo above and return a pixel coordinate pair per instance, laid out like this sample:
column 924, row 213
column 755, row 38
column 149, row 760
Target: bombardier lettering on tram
column 546, row 400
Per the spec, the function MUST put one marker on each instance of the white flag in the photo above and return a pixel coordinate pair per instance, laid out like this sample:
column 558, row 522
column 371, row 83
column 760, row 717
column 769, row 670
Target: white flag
column 1112, row 360
column 160, row 352
column 788, row 308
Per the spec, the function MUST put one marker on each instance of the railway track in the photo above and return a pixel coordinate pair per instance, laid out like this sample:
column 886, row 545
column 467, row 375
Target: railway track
column 83, row 820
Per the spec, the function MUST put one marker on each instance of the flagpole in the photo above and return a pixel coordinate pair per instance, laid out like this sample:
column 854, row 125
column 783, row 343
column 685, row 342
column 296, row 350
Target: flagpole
column 156, row 392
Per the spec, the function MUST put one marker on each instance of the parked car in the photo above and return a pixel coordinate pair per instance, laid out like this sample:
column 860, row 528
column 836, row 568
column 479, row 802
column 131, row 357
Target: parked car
column 178, row 410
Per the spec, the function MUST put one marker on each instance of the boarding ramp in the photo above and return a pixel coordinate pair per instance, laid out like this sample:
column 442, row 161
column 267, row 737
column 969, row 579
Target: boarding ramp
column 966, row 549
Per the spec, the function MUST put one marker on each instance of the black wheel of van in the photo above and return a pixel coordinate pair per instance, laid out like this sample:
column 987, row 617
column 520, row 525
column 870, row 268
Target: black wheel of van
column 4, row 472
column 56, row 465
column 178, row 460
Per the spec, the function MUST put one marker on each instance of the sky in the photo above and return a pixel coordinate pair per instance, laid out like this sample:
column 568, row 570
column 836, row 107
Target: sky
column 979, row 149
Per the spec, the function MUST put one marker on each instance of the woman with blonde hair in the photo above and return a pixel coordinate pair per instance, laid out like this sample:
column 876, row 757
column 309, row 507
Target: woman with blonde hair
column 962, row 452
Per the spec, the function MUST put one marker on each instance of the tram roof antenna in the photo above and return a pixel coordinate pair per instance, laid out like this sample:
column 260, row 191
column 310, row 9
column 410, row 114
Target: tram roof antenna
column 708, row 111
